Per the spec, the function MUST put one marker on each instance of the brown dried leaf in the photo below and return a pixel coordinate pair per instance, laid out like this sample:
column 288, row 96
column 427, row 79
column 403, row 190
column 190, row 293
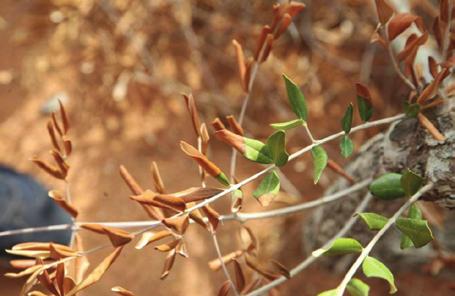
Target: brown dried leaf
column 252, row 285
column 197, row 217
column 239, row 276
column 36, row 293
column 24, row 272
column 130, row 181
column 285, row 22
column 170, row 258
column 67, row 146
column 118, row 237
column 61, row 201
column 181, row 249
column 234, row 125
column 150, row 237
column 240, row 61
column 437, row 31
column 399, row 23
column 97, row 272
column 192, row 110
column 426, row 123
column 65, row 121
column 22, row 263
column 215, row 264
column 196, row 193
column 432, row 88
column 266, row 30
column 225, row 289
column 122, row 291
column 339, row 170
column 218, row 124
column 68, row 284
column 231, row 139
column 58, row 253
column 200, row 158
column 81, row 264
column 433, row 66
column 60, row 277
column 412, row 45
column 268, row 48
column 384, row 11
column 280, row 268
column 212, row 215
column 254, row 264
column 444, row 10
column 171, row 201
column 179, row 224
column 56, row 124
column 50, row 169
column 168, row 246
column 248, row 239
column 157, row 180
column 46, row 281
column 50, row 129
column 205, row 138
column 433, row 213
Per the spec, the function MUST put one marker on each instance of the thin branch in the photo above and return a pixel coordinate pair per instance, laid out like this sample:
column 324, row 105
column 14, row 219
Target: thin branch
column 223, row 265
column 303, row 206
column 377, row 237
column 152, row 224
column 309, row 260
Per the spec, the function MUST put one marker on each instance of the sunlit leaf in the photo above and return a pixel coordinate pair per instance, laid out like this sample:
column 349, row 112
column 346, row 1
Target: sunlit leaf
column 270, row 185
column 357, row 287
column 346, row 146
column 387, row 187
column 257, row 151
column 288, row 124
column 340, row 246
column 276, row 145
column 416, row 229
column 296, row 98
column 373, row 221
column 320, row 159
column 372, row 267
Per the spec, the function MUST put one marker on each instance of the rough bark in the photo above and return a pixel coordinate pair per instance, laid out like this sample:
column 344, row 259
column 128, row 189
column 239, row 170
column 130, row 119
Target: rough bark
column 404, row 145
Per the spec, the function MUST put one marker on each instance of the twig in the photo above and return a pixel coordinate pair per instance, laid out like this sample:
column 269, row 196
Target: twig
column 377, row 237
column 234, row 187
column 309, row 260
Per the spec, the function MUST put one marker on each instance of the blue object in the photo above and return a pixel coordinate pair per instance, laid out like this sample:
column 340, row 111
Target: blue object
column 25, row 203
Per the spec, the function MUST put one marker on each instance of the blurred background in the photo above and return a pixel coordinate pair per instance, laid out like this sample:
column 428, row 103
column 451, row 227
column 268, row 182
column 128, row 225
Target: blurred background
column 120, row 68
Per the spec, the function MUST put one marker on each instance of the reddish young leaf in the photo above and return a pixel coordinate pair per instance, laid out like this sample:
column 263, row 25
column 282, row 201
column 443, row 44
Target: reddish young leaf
column 50, row 129
column 285, row 22
column 234, row 125
column 217, row 124
column 211, row 168
column 384, row 11
column 433, row 66
column 399, row 23
column 266, row 30
column 50, row 169
column 192, row 110
column 225, row 289
column 239, row 276
column 231, row 139
column 65, row 121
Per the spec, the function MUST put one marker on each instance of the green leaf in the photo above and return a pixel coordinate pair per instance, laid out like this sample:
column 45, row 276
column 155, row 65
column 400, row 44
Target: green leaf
column 276, row 144
column 373, row 221
column 387, row 187
column 257, row 151
column 296, row 98
column 372, row 267
column 414, row 213
column 346, row 146
column 416, row 229
column 346, row 122
column 340, row 246
column 357, row 287
column 319, row 161
column 411, row 110
column 411, row 182
column 332, row 292
column 269, row 185
column 288, row 124
column 365, row 108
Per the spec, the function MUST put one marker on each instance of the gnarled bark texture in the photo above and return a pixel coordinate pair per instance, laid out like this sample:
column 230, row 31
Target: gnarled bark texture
column 404, row 145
